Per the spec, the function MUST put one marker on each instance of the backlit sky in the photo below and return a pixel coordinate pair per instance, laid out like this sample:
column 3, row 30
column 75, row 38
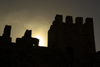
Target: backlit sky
column 38, row 15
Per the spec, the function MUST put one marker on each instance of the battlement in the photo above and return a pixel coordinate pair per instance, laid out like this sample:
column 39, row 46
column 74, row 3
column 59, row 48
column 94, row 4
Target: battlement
column 79, row 20
column 78, row 36
column 59, row 18
column 69, row 20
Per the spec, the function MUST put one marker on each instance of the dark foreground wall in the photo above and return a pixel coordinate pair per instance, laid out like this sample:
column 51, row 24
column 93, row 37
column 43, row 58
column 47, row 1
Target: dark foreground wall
column 22, row 56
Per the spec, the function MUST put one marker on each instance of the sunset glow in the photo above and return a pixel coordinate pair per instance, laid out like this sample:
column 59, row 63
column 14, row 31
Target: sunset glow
column 41, row 41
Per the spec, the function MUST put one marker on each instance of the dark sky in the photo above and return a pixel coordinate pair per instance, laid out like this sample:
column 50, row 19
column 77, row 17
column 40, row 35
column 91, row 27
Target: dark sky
column 38, row 15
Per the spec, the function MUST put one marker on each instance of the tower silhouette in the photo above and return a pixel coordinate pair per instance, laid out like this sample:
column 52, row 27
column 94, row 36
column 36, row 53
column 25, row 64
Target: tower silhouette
column 77, row 39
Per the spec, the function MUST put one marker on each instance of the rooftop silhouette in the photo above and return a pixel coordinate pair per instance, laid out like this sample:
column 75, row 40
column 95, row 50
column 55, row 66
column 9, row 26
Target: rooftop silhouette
column 69, row 45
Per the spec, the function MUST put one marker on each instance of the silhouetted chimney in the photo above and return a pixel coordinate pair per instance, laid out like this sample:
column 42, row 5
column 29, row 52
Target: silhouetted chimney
column 7, row 31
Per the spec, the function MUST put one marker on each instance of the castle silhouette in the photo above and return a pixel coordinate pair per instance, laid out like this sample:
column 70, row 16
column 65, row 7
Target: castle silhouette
column 69, row 45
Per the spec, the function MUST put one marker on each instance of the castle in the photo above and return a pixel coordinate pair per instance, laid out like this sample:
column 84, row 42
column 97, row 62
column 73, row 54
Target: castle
column 69, row 45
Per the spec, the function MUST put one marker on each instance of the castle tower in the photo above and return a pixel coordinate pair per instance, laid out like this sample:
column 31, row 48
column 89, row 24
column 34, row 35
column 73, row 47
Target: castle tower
column 74, row 38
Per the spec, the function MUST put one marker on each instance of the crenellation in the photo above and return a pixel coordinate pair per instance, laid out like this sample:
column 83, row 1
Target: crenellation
column 89, row 20
column 89, row 23
column 59, row 18
column 69, row 20
column 72, row 35
column 79, row 20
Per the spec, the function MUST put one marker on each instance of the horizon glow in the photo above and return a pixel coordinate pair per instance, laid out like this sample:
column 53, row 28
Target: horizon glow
column 41, row 41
